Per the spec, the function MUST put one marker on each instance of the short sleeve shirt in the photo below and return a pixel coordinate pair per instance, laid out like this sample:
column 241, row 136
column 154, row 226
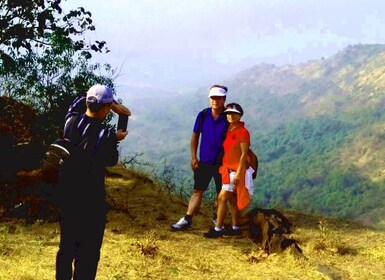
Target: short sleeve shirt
column 232, row 146
column 212, row 135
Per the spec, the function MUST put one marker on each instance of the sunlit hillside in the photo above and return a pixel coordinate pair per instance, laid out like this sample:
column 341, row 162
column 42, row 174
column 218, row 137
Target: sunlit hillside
column 318, row 129
column 138, row 244
column 349, row 81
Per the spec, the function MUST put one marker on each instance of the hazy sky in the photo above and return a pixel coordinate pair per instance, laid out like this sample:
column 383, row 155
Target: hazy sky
column 178, row 43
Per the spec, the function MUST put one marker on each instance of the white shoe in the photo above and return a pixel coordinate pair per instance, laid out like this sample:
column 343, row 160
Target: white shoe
column 215, row 223
column 182, row 224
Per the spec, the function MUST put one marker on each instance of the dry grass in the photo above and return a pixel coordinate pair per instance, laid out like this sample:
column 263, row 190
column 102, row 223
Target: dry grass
column 139, row 245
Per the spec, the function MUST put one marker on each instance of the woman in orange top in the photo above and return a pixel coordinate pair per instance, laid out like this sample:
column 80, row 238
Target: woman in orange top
column 233, row 170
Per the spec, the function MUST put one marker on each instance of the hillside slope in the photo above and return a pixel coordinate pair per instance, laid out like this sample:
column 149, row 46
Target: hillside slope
column 349, row 81
column 138, row 244
column 320, row 141
column 318, row 129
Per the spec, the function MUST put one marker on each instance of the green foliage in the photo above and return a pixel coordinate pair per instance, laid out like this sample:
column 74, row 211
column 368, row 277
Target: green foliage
column 301, row 169
column 45, row 61
column 27, row 25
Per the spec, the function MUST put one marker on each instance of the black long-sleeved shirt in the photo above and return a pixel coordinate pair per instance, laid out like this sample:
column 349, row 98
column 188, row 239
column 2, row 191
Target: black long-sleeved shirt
column 83, row 178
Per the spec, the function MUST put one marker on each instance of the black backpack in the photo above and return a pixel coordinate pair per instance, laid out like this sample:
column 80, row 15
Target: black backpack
column 63, row 153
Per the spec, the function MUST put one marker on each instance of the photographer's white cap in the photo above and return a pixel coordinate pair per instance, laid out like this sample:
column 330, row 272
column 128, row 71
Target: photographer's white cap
column 100, row 94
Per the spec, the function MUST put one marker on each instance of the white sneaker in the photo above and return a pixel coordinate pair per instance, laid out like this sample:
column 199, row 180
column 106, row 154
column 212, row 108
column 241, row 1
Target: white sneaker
column 182, row 224
column 215, row 223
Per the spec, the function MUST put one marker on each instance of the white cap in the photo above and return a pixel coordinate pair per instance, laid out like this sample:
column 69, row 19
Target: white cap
column 100, row 94
column 217, row 91
column 233, row 108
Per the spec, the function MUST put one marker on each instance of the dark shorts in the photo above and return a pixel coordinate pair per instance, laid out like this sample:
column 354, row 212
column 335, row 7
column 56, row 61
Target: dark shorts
column 203, row 175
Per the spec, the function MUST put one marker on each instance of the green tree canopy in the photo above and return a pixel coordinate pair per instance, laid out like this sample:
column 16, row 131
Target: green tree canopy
column 33, row 25
column 45, row 59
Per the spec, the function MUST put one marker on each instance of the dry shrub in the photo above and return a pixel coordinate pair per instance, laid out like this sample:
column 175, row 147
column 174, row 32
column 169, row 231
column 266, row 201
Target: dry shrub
column 148, row 246
column 16, row 120
column 330, row 242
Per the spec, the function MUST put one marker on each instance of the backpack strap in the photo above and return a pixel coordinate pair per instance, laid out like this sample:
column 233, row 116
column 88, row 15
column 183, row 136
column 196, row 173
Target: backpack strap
column 202, row 116
column 77, row 127
column 72, row 129
column 77, row 106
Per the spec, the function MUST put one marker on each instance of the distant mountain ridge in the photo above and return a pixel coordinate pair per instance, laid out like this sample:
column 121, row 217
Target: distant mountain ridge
column 353, row 77
column 318, row 128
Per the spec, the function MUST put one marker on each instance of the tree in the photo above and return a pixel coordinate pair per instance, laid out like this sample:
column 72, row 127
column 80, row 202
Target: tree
column 41, row 62
column 29, row 24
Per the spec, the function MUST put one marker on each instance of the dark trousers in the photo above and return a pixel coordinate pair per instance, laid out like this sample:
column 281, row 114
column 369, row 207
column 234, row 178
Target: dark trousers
column 81, row 237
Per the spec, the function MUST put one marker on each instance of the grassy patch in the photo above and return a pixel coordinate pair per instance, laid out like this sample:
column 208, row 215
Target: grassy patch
column 139, row 244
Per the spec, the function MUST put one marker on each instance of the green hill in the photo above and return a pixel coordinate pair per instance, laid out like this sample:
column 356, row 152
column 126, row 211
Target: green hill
column 319, row 144
column 317, row 127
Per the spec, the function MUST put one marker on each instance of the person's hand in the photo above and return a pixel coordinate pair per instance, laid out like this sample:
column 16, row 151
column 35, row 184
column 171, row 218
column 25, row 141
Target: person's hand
column 120, row 109
column 120, row 134
column 194, row 163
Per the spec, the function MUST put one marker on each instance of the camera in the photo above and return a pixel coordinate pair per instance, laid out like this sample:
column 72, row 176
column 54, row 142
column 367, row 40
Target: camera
column 122, row 122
